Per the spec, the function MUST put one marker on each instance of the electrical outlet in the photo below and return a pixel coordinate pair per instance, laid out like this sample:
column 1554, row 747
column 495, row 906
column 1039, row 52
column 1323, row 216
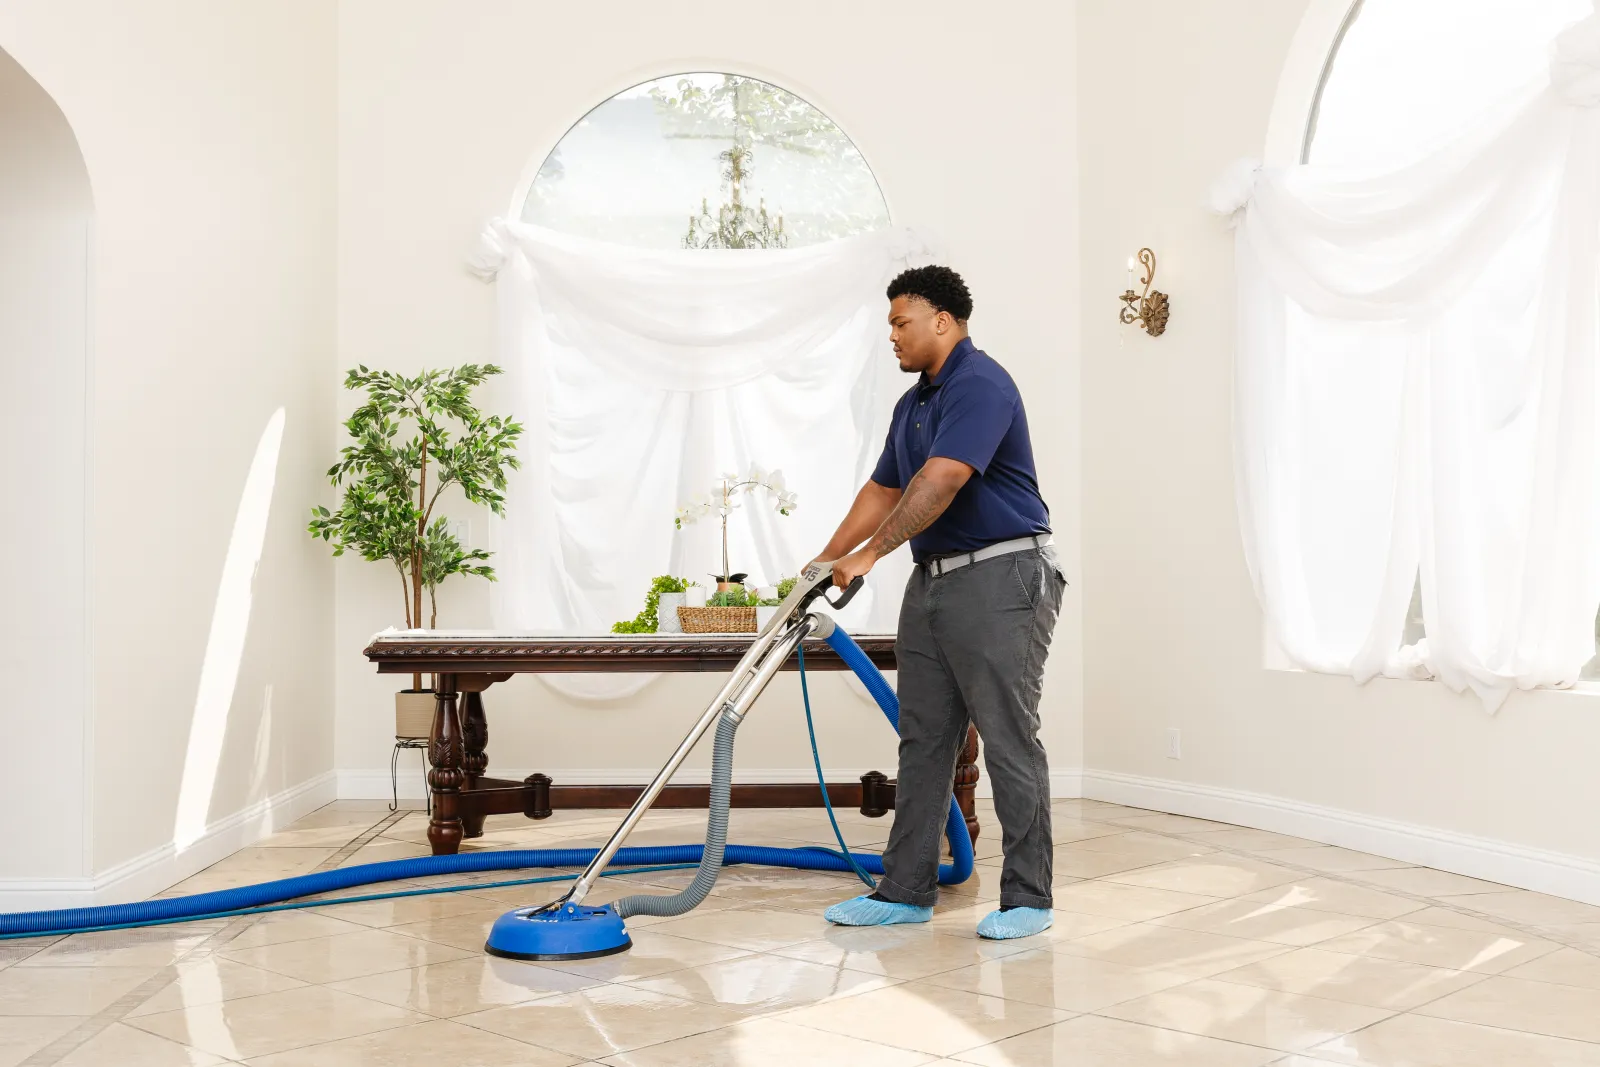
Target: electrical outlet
column 1174, row 743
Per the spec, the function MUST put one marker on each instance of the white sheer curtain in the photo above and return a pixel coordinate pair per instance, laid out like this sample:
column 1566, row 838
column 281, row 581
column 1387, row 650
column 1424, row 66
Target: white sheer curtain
column 642, row 374
column 1409, row 396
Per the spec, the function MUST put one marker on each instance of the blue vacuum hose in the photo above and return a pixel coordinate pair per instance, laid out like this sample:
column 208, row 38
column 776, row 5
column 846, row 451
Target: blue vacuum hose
column 153, row 912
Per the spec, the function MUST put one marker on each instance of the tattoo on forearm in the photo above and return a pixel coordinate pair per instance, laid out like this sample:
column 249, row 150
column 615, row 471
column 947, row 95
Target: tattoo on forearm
column 921, row 503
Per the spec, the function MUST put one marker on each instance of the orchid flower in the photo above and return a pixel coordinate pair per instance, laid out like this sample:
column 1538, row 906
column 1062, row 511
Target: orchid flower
column 721, row 500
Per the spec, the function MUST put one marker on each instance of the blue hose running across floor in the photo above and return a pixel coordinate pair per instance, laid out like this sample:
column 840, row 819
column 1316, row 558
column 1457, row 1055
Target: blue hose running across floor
column 246, row 899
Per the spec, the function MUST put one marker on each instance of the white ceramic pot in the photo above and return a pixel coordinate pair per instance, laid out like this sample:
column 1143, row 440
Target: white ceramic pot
column 694, row 596
column 765, row 615
column 667, row 613
column 413, row 713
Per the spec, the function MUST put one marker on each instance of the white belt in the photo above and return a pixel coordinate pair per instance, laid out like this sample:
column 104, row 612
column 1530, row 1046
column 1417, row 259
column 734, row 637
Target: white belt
column 940, row 567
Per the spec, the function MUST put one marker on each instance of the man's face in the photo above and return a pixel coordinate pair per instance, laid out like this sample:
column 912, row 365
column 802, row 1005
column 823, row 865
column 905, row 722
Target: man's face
column 917, row 332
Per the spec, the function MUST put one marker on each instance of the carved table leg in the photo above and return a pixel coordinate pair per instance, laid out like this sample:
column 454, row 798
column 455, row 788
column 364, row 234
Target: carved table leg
column 445, row 776
column 967, row 780
column 474, row 760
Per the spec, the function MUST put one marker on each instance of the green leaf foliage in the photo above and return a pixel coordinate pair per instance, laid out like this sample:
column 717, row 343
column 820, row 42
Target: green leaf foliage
column 412, row 440
column 647, row 620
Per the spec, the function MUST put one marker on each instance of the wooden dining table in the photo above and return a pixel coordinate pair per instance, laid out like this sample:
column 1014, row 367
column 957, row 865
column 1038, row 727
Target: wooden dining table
column 465, row 663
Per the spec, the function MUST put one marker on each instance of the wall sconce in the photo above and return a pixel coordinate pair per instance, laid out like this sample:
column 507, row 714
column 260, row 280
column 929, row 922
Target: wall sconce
column 1148, row 309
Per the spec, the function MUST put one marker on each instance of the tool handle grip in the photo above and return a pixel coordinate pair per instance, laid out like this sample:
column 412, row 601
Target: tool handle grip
column 849, row 591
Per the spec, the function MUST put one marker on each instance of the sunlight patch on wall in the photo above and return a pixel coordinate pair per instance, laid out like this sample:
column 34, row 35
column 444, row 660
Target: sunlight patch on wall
column 230, row 624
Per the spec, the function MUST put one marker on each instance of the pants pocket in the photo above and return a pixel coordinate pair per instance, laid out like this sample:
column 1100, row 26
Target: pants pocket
column 1029, row 572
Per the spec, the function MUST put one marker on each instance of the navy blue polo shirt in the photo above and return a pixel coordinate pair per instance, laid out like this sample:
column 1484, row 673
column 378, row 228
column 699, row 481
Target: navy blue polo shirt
column 970, row 412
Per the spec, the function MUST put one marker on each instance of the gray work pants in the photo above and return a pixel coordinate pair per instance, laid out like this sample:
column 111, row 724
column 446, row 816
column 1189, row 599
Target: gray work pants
column 972, row 646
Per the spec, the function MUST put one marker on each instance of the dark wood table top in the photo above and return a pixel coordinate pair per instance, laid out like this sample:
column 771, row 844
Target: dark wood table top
column 495, row 652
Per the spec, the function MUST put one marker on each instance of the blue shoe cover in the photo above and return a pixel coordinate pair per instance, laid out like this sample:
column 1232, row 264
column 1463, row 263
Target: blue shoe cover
column 1018, row 922
column 864, row 911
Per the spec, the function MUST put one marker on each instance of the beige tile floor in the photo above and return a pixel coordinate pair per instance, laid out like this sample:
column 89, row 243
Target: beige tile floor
column 1177, row 941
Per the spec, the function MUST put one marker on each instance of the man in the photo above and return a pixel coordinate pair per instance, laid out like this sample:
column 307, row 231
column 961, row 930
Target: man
column 957, row 480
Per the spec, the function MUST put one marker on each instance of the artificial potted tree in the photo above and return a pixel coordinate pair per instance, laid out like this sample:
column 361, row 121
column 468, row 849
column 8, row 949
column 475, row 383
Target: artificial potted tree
column 412, row 440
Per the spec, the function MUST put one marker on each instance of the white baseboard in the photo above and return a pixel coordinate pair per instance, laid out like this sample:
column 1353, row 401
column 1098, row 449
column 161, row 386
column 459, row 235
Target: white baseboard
column 1064, row 785
column 355, row 784
column 163, row 866
column 1558, row 874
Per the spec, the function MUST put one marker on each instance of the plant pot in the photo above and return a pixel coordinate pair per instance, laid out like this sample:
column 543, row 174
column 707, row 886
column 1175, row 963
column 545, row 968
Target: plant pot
column 667, row 613
column 413, row 713
column 718, row 620
column 764, row 615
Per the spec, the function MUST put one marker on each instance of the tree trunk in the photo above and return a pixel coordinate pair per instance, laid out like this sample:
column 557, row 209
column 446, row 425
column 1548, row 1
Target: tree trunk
column 422, row 530
column 405, row 593
column 405, row 598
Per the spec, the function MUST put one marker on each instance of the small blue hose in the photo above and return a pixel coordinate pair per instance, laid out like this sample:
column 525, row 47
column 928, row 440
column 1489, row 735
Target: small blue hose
column 959, row 869
column 245, row 898
column 822, row 779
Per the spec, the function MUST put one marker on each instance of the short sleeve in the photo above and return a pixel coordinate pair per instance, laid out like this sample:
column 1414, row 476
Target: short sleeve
column 973, row 422
column 887, row 472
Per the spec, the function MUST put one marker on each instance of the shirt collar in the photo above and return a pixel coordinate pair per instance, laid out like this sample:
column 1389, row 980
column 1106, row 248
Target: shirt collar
column 951, row 362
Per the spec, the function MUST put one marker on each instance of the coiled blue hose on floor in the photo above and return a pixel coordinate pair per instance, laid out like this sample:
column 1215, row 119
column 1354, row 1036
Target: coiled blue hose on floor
column 233, row 901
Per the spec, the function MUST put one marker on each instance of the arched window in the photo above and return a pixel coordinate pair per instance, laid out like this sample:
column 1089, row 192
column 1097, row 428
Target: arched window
column 1406, row 75
column 706, row 161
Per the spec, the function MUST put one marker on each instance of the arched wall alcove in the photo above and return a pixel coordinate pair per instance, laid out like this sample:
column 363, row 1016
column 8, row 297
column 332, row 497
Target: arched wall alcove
column 46, row 215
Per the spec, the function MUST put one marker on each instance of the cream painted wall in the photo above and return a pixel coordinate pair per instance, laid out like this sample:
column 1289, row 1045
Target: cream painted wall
column 258, row 166
column 208, row 131
column 45, row 219
column 968, row 122
column 1174, row 633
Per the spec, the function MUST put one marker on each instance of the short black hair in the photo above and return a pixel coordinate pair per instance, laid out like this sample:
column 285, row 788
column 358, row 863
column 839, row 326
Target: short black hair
column 940, row 287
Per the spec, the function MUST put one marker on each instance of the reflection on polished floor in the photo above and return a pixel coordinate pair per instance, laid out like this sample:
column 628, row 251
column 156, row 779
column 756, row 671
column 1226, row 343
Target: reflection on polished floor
column 1177, row 941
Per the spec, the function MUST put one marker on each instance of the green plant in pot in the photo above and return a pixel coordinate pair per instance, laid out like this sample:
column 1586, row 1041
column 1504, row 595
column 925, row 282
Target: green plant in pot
column 648, row 621
column 414, row 439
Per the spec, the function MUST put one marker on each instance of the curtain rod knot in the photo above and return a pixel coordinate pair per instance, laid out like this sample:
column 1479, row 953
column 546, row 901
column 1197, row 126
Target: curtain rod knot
column 1575, row 63
column 1230, row 193
column 488, row 255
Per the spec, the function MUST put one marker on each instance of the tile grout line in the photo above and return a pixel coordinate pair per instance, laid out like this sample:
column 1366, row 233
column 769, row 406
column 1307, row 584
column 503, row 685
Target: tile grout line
column 1341, row 877
column 1528, row 929
column 52, row 1054
column 361, row 840
column 118, row 1009
column 1344, row 877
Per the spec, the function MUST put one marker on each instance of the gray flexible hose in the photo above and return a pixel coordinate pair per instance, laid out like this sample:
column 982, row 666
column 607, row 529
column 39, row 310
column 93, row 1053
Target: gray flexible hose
column 716, row 837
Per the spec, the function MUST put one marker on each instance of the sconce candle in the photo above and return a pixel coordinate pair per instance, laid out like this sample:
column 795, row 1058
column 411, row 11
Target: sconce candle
column 1148, row 309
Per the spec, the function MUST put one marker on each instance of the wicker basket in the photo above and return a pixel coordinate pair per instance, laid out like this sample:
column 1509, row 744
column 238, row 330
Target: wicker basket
column 717, row 620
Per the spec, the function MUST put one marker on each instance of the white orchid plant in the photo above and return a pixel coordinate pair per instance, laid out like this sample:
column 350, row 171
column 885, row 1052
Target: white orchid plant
column 723, row 500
